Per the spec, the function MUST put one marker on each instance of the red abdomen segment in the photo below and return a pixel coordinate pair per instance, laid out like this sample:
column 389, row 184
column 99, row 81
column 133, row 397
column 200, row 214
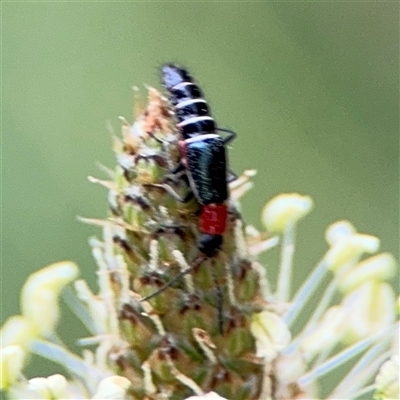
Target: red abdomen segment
column 213, row 219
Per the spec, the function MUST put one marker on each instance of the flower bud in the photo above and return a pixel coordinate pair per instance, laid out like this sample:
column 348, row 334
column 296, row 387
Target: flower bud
column 11, row 363
column 284, row 210
column 271, row 334
column 39, row 297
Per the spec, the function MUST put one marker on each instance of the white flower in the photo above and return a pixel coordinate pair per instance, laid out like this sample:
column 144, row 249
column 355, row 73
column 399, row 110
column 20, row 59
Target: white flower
column 285, row 209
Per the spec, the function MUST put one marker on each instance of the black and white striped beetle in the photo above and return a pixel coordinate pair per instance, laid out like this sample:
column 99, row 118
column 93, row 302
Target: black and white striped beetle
column 203, row 155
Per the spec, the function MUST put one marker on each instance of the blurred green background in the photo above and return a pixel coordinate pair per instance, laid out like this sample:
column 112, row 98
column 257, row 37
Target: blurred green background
column 310, row 88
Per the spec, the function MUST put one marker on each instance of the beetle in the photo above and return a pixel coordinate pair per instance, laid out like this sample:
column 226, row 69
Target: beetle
column 203, row 156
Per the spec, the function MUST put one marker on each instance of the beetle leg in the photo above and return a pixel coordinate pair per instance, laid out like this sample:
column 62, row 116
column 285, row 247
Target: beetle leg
column 178, row 230
column 230, row 137
column 176, row 179
column 172, row 192
column 158, row 140
column 178, row 169
column 232, row 176
column 161, row 161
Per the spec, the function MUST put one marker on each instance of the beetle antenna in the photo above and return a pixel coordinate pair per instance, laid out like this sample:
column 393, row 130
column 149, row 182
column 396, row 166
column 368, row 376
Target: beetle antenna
column 196, row 263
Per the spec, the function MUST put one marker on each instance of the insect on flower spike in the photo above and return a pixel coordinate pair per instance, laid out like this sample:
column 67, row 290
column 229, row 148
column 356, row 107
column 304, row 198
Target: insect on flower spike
column 203, row 155
column 203, row 158
column 171, row 348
